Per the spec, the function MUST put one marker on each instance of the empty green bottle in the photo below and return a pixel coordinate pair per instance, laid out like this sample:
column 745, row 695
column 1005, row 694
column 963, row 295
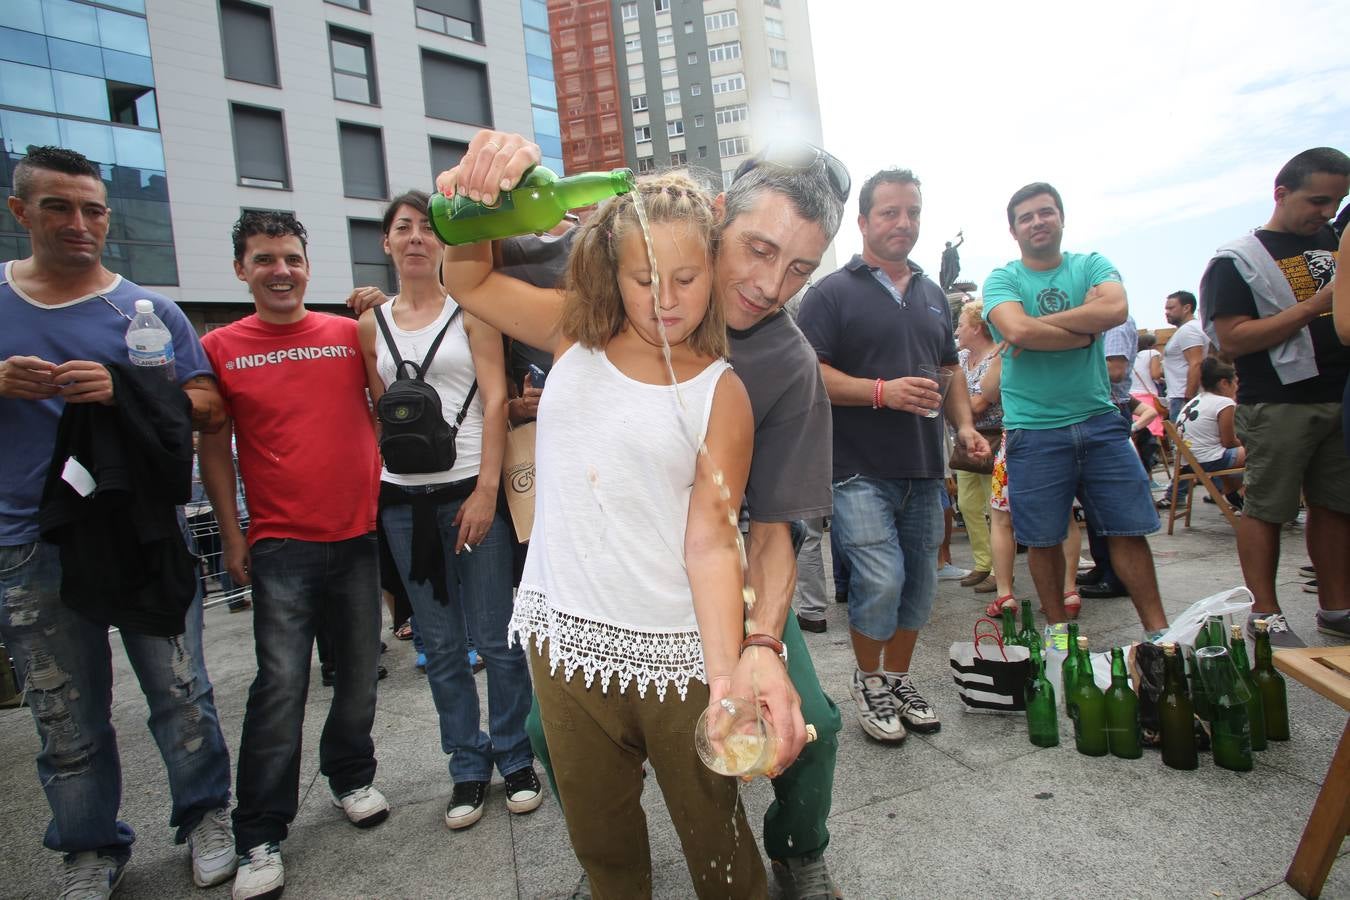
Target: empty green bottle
column 1028, row 635
column 1068, row 672
column 1176, row 716
column 1230, row 729
column 1271, row 685
column 1122, row 711
column 1089, row 728
column 1256, row 712
column 537, row 204
column 1042, row 717
column 1009, row 627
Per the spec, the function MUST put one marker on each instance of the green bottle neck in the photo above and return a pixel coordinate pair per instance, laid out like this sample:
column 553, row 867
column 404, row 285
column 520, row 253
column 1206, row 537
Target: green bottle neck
column 1264, row 660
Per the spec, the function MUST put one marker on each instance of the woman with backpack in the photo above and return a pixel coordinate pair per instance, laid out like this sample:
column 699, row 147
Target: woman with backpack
column 437, row 377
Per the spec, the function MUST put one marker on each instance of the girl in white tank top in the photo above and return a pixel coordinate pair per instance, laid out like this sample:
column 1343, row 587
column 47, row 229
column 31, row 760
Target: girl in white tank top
column 630, row 604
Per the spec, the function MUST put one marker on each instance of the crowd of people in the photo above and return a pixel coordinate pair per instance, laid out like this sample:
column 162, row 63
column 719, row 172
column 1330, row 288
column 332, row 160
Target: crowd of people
column 693, row 441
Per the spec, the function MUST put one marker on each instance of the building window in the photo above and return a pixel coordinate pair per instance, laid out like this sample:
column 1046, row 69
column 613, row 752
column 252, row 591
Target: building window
column 642, row 134
column 633, row 44
column 358, row 5
column 724, row 52
column 646, row 164
column 600, row 52
column 661, row 5
column 679, row 158
column 664, row 36
column 698, row 120
column 628, row 11
column 635, row 73
column 446, row 154
column 639, row 103
column 457, row 18
column 353, row 66
column 702, row 152
column 716, row 21
column 776, row 4
column 688, row 27
column 246, row 41
column 696, row 89
column 728, row 83
column 455, row 89
column 671, row 97
column 773, row 27
column 260, row 147
column 737, row 146
column 132, row 104
column 691, row 58
column 781, row 89
column 730, row 114
column 362, row 152
column 600, row 31
column 668, row 67
column 370, row 264
column 778, row 58
column 675, row 128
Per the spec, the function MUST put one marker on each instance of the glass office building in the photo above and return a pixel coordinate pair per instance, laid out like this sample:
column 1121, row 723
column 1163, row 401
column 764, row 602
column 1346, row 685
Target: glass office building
column 77, row 75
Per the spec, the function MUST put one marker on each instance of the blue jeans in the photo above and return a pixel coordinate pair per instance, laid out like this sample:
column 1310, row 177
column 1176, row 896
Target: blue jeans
column 1093, row 459
column 890, row 531
column 64, row 664
column 297, row 585
column 479, row 589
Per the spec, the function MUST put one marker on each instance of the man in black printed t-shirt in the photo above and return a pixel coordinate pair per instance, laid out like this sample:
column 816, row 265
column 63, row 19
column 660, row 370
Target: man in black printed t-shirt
column 1266, row 301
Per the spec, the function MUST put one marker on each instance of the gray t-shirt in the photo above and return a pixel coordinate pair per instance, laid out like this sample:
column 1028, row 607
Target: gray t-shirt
column 790, row 468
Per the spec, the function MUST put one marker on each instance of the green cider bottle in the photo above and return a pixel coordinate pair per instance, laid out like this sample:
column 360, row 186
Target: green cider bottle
column 537, row 204
column 1176, row 715
column 1122, row 711
column 1010, row 636
column 1230, row 729
column 1271, row 685
column 1028, row 635
column 1089, row 728
column 1199, row 696
column 1068, row 672
column 1042, row 717
column 1256, row 711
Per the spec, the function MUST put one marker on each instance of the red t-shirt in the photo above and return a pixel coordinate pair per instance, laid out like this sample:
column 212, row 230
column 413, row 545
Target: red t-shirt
column 306, row 442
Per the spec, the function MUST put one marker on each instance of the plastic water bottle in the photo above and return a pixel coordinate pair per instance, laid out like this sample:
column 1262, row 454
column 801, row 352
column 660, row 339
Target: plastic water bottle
column 149, row 343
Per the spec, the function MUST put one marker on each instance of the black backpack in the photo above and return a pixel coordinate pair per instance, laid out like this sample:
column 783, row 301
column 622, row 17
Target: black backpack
column 414, row 437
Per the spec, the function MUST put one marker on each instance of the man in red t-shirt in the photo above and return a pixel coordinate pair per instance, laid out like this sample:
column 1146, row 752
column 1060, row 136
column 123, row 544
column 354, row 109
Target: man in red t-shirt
column 294, row 386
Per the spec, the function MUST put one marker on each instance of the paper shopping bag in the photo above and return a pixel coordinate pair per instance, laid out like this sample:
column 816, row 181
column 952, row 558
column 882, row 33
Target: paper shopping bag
column 518, row 478
column 990, row 678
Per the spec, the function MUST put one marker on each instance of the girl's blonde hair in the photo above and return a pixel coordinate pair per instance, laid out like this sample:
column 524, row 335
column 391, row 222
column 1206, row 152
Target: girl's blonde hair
column 593, row 310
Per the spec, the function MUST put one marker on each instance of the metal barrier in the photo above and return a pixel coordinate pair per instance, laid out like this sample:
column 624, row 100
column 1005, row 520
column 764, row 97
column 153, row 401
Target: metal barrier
column 217, row 586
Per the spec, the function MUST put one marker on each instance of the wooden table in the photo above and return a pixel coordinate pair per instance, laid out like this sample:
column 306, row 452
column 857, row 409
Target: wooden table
column 1327, row 671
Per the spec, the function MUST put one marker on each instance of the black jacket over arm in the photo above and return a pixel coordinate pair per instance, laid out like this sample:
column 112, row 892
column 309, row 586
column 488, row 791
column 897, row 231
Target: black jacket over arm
column 123, row 558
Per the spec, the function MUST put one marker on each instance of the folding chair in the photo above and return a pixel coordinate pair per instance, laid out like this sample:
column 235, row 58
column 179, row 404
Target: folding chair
column 1188, row 468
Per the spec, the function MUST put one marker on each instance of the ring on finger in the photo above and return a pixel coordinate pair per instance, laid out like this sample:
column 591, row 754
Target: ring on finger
column 493, row 144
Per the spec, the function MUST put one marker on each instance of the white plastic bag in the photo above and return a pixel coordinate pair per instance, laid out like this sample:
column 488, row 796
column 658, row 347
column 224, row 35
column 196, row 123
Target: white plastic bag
column 1186, row 626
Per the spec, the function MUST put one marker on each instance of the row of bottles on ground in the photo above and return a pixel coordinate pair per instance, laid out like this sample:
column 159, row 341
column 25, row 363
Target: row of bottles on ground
column 1245, row 705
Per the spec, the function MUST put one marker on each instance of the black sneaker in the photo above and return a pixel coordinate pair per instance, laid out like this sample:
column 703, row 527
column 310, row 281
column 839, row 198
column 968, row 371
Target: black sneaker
column 466, row 804
column 523, row 791
column 815, row 626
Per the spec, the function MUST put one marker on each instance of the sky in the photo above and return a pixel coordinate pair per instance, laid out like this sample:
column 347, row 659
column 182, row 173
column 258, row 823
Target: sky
column 1161, row 124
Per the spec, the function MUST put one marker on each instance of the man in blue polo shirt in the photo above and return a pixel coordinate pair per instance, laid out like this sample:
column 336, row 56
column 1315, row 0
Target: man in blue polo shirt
column 1064, row 435
column 873, row 324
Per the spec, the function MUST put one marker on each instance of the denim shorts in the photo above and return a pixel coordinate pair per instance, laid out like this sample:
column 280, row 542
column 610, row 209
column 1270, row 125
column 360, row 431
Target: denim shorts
column 1092, row 459
column 1227, row 461
column 889, row 530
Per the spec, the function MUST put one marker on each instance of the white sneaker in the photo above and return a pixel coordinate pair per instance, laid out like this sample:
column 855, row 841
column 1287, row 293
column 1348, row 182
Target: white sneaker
column 876, row 707
column 364, row 806
column 949, row 572
column 916, row 712
column 212, row 846
column 90, row 876
column 261, row 875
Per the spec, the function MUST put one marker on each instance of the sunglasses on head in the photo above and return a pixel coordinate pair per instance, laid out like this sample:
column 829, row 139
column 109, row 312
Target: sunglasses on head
column 799, row 156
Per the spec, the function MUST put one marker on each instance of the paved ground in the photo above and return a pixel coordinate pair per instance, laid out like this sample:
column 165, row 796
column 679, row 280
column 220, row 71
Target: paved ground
column 972, row 811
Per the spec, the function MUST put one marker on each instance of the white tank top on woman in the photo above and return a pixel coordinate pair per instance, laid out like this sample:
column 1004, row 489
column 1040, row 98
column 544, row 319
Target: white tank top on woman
column 605, row 580
column 451, row 374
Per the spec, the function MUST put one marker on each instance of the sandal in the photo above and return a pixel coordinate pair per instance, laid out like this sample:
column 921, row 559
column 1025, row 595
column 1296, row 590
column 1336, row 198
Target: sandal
column 995, row 607
column 403, row 632
column 1073, row 604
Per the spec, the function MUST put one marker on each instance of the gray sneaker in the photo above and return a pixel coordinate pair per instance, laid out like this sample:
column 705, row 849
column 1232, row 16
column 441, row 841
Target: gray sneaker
column 1282, row 637
column 1338, row 628
column 90, row 876
column 805, row 878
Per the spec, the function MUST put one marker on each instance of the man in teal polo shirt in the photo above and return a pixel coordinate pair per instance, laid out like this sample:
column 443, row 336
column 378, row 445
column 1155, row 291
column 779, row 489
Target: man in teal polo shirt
column 1064, row 435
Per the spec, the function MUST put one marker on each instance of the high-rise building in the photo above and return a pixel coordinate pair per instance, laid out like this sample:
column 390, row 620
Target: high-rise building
column 199, row 109
column 701, row 83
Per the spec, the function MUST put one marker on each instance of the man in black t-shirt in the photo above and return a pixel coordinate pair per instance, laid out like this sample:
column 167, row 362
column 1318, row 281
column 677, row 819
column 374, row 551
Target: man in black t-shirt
column 1266, row 301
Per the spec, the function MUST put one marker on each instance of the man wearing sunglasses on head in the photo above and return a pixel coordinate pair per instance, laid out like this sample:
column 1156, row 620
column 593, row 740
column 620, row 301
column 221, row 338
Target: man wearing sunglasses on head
column 776, row 220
